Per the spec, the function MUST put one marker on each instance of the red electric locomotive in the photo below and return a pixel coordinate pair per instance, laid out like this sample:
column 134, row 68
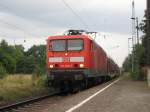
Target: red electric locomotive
column 75, row 61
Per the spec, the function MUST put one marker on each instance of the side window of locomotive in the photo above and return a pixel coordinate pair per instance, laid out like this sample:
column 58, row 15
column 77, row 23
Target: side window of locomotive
column 57, row 45
column 75, row 45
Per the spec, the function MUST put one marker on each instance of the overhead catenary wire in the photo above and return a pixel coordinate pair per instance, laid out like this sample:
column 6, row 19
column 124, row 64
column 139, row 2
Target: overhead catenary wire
column 64, row 2
column 15, row 26
column 12, row 25
column 75, row 13
column 69, row 7
column 19, row 29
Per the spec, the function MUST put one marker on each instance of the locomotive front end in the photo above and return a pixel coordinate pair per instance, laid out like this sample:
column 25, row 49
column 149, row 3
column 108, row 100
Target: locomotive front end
column 66, row 59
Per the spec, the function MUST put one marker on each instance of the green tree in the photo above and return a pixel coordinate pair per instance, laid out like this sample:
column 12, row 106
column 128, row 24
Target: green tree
column 9, row 55
column 39, row 53
column 15, row 60
column 26, row 64
column 140, row 56
column 7, row 61
column 2, row 71
column 143, row 28
column 127, row 65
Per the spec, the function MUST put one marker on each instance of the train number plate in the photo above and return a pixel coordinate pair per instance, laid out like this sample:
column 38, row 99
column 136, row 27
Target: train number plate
column 66, row 59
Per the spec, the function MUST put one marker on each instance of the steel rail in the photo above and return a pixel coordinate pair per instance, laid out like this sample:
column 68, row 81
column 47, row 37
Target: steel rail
column 26, row 102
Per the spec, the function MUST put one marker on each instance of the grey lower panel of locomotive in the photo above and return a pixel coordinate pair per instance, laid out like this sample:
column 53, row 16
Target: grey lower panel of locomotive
column 73, row 74
column 73, row 79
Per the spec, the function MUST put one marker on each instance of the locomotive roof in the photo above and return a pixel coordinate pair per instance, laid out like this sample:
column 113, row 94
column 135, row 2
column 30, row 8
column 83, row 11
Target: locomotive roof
column 69, row 37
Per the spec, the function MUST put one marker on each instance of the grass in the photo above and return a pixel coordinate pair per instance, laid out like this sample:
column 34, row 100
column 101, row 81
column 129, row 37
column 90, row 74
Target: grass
column 17, row 87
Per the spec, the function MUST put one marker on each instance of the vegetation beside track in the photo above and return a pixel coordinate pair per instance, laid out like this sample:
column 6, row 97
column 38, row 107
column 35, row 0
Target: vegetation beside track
column 14, row 88
column 137, row 61
column 15, row 60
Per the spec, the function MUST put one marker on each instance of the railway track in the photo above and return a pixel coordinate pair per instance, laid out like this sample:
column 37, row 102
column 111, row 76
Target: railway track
column 10, row 107
column 16, row 106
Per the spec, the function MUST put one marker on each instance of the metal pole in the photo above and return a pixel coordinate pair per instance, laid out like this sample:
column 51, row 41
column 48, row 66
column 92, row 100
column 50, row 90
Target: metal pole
column 129, row 52
column 133, row 35
column 137, row 27
column 129, row 45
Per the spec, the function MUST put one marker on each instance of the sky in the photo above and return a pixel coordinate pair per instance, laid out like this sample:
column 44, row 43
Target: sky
column 35, row 20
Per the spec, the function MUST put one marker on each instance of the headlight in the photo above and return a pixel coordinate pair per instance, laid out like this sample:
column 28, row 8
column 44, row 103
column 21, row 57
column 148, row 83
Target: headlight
column 81, row 65
column 51, row 66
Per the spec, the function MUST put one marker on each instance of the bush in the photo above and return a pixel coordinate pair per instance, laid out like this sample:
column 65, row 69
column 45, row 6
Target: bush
column 8, row 62
column 26, row 65
column 42, row 81
column 2, row 71
column 39, row 71
column 38, row 74
column 19, row 87
column 134, row 75
column 138, row 75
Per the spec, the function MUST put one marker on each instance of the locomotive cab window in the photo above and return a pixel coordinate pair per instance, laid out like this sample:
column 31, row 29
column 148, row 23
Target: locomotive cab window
column 75, row 45
column 58, row 45
column 66, row 45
